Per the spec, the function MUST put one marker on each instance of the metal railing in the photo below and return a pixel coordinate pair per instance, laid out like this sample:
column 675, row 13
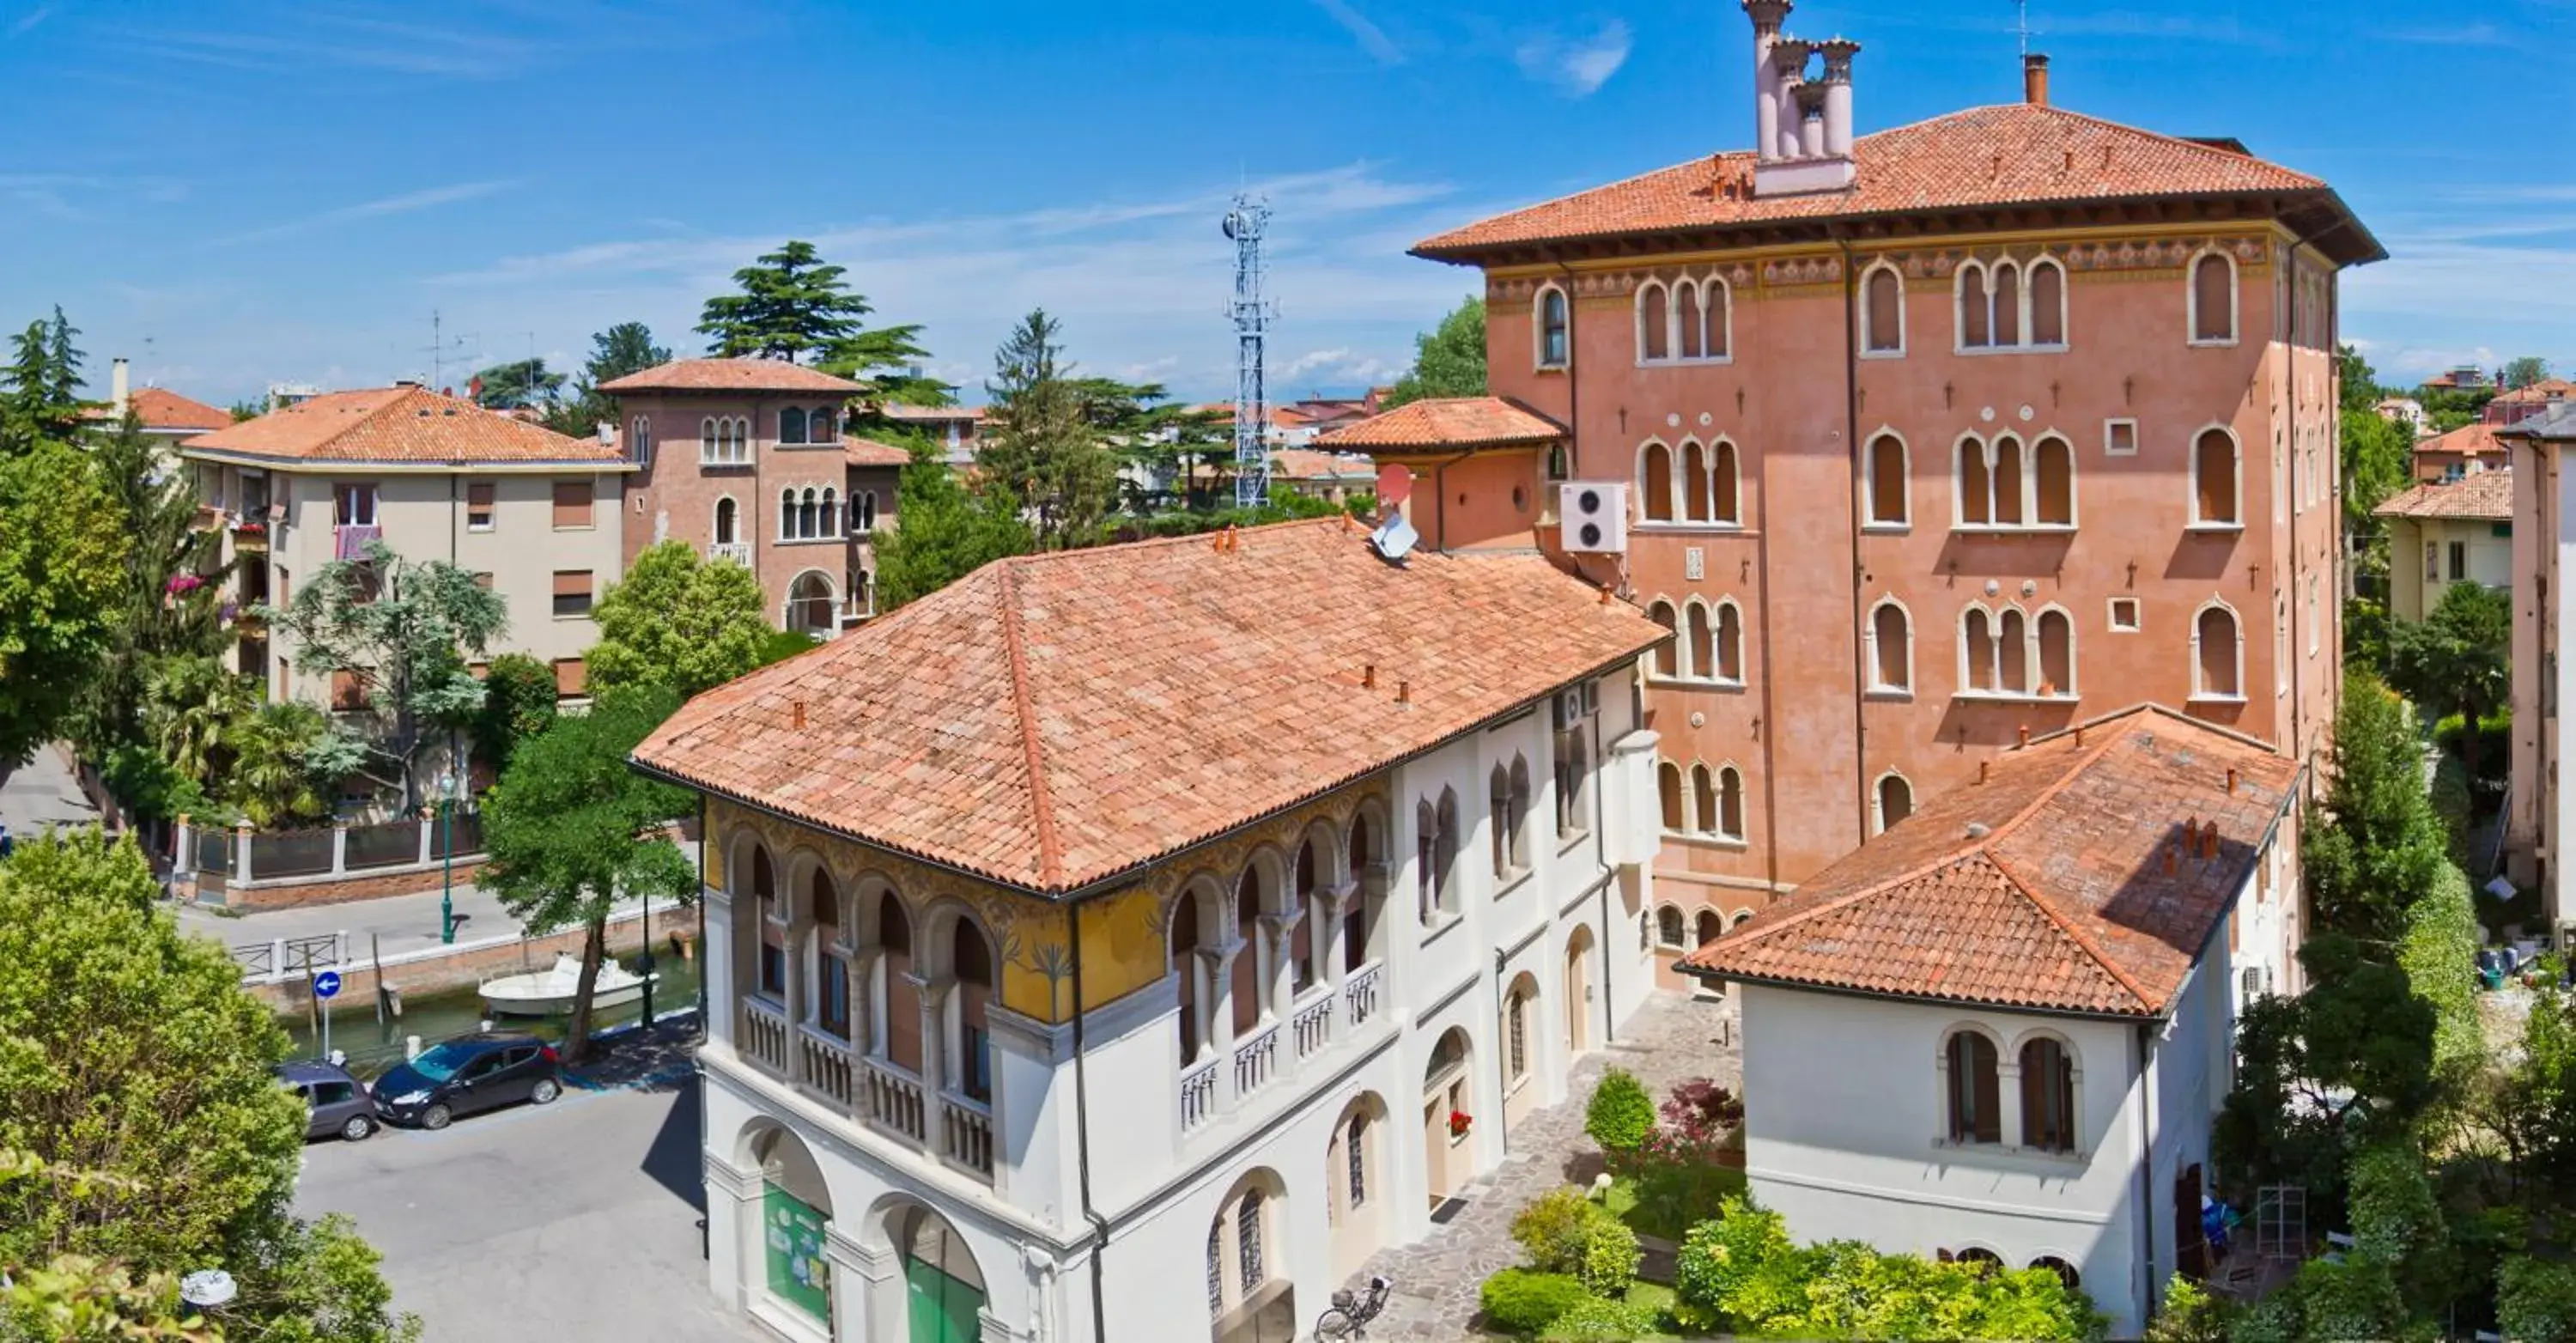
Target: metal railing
column 737, row 551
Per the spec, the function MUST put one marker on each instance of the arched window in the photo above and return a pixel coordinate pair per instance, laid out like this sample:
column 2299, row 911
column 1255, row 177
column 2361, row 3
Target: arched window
column 791, row 425
column 726, row 520
column 787, row 515
column 1668, row 656
column 1702, row 660
column 1359, row 914
column 1668, row 926
column 2213, row 479
column 1974, row 1101
column 707, row 439
column 1668, row 784
column 863, row 512
column 897, row 999
column 2213, row 299
column 1977, row 650
column 1888, row 506
column 1551, row 318
column 1182, row 940
column 2065, row 1271
column 809, row 604
column 831, row 1005
column 2006, row 281
column 1426, row 860
column 825, row 426
column 1708, row 927
column 1976, row 484
column 2217, row 659
column 1698, row 502
column 639, row 441
column 2056, row 637
column 1730, row 644
column 1444, row 856
column 1691, row 321
column 1724, row 485
column 1976, row 308
column 1891, row 647
column 1717, row 308
column 1883, row 311
column 2047, row 304
column 1249, row 985
column 773, row 923
column 2054, row 473
column 1498, row 802
column 1303, row 938
column 2012, row 652
column 972, row 961
column 1654, row 321
column 1730, row 803
column 1516, row 1051
column 2047, row 1096
column 1518, row 812
column 827, row 519
column 1704, row 798
column 2009, row 509
column 1655, row 482
column 1573, row 760
column 1895, row 800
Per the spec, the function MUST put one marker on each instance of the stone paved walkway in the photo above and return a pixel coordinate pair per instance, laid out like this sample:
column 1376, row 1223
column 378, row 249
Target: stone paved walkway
column 1670, row 1040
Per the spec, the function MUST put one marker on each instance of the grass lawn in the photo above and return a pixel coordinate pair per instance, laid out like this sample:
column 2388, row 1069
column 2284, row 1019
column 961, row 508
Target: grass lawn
column 1622, row 1202
column 1658, row 1298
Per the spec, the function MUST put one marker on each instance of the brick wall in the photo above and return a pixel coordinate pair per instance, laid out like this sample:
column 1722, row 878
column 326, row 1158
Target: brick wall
column 294, row 891
column 474, row 965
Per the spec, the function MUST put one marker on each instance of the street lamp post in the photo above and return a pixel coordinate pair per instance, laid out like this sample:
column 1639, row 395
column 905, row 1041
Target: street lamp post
column 447, row 858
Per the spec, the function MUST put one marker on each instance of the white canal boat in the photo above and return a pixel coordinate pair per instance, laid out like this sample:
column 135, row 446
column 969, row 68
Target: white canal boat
column 549, row 993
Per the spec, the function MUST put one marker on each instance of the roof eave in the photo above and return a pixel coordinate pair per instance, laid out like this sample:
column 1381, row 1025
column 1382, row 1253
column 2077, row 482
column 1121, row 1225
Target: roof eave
column 1715, row 975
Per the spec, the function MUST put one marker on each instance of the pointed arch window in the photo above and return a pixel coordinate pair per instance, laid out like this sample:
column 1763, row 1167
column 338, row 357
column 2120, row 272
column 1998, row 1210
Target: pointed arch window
column 1654, row 323
column 2008, row 475
column 1894, row 802
column 1704, row 801
column 1724, row 485
column 1730, row 643
column 1883, row 312
column 2012, row 652
column 2217, row 653
column 2004, row 280
column 1690, row 322
column 1669, row 926
column 1655, row 482
column 707, row 439
column 1698, row 485
column 1891, row 648
column 727, row 521
column 1668, row 787
column 1717, row 309
column 1550, row 314
column 1888, row 506
column 2213, row 299
column 639, row 441
column 2053, row 482
column 791, row 425
column 1498, row 802
column 824, row 426
column 1976, row 484
column 2214, row 480
column 1976, row 308
column 1977, row 671
column 1730, row 803
column 2054, row 632
column 1974, row 1095
column 1668, row 656
column 1517, row 810
column 2047, row 304
column 1700, row 658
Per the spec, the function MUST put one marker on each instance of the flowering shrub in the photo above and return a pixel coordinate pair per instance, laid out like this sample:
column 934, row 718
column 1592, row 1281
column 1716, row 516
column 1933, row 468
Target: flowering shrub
column 1565, row 1232
column 181, row 584
column 1459, row 1122
column 1678, row 1170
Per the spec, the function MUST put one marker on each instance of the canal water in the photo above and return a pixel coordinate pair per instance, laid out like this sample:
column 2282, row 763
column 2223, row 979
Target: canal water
column 373, row 1047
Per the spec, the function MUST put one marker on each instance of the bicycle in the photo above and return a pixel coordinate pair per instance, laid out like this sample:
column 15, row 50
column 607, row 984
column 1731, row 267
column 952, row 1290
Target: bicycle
column 1350, row 1315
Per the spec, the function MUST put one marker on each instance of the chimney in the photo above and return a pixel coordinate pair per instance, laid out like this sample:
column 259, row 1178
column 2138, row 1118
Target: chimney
column 1368, row 676
column 1767, row 16
column 118, row 386
column 1838, row 96
column 2231, row 781
column 1811, row 119
column 1789, row 70
column 2034, row 79
column 796, row 714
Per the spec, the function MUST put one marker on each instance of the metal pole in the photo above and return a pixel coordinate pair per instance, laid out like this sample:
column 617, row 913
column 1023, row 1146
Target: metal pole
column 648, row 960
column 447, row 867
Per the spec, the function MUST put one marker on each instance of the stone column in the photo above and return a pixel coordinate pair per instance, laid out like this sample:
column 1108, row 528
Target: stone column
column 867, row 1288
column 1278, row 974
column 1218, row 964
column 733, row 1231
column 864, row 1016
column 799, row 988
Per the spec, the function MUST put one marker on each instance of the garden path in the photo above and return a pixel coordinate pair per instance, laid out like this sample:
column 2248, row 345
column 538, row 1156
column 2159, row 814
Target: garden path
column 1671, row 1039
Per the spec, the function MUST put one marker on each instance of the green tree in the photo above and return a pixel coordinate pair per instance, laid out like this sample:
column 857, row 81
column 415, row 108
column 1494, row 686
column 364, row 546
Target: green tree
column 572, row 830
column 2378, row 453
column 2358, row 381
column 2524, row 371
column 2453, row 661
column 405, row 631
column 287, row 763
column 1046, row 458
column 521, row 383
column 942, row 531
column 622, row 349
column 62, row 572
column 193, row 712
column 1620, row 1113
column 680, row 622
column 518, row 703
column 1447, row 361
column 40, row 397
column 174, row 578
column 134, row 1067
column 794, row 306
column 2376, row 844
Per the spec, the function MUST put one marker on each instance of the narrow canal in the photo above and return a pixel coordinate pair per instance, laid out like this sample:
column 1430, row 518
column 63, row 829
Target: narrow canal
column 373, row 1045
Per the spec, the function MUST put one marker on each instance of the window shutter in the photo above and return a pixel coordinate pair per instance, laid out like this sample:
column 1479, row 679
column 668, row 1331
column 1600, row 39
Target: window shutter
column 2034, row 1095
column 572, row 503
column 571, row 677
column 478, row 494
column 1989, row 1097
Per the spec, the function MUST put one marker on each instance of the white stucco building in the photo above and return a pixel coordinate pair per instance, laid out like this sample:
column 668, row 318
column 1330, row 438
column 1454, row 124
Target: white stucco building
column 1122, row 944
column 2540, row 808
column 2001, row 1029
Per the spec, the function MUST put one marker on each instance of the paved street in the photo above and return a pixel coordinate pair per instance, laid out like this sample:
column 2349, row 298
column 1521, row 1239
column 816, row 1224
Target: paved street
column 42, row 793
column 575, row 1221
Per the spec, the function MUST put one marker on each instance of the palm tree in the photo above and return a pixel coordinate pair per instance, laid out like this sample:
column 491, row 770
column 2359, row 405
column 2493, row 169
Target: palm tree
column 195, row 710
column 272, row 779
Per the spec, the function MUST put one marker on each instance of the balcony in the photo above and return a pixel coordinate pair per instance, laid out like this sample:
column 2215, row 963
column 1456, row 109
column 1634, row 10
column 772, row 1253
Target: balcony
column 737, row 551
column 349, row 540
column 1256, row 1061
column 894, row 1101
column 826, row 1064
column 763, row 1034
column 250, row 538
column 1360, row 993
column 1313, row 1024
column 966, row 1134
column 1198, row 1095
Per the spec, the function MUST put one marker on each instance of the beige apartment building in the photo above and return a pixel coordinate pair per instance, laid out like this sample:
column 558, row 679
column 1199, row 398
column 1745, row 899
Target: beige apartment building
column 2443, row 533
column 2538, row 808
column 531, row 513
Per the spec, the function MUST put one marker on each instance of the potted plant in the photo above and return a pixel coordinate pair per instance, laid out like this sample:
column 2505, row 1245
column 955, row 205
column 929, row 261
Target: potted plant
column 1459, row 1122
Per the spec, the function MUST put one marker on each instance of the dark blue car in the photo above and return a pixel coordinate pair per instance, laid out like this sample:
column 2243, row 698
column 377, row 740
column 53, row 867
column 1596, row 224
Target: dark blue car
column 468, row 1074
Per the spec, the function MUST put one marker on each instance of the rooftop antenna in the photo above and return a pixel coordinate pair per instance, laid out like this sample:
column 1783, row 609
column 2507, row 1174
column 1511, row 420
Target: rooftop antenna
column 2023, row 8
column 1245, row 224
column 438, row 348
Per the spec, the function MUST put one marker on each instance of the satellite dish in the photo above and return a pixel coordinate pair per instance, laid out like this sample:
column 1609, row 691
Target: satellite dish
column 1394, row 539
column 1229, row 225
column 1394, row 484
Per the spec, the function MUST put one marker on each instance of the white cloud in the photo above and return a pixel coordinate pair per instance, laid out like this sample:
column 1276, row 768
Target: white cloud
column 27, row 22
column 1341, row 367
column 390, row 205
column 1577, row 65
column 1372, row 39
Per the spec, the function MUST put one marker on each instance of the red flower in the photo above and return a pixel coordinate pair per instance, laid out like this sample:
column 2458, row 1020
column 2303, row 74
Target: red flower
column 1459, row 1120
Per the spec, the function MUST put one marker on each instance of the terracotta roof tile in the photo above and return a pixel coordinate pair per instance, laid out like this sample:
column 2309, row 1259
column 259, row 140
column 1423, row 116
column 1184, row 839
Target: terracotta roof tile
column 397, row 424
column 1447, row 422
column 731, row 375
column 2478, row 496
column 1050, row 721
column 869, row 452
column 2542, row 392
column 2014, row 154
column 1308, row 464
column 2060, row 899
column 161, row 408
column 2469, row 440
column 932, row 414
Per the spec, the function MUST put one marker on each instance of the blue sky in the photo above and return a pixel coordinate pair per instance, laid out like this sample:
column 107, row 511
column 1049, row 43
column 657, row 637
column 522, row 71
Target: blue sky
column 233, row 194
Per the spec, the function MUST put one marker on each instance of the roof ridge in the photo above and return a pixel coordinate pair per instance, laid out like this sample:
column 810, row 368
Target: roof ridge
column 1041, row 797
column 1164, row 542
column 2067, row 927
column 2210, row 151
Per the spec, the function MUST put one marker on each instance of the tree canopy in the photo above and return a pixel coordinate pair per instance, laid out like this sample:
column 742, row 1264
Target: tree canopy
column 169, row 600
column 2524, row 371
column 64, row 554
column 518, row 703
column 519, row 384
column 1046, row 457
column 134, row 1068
column 793, row 305
column 943, row 531
column 1448, row 360
column 2454, row 660
column 40, row 397
column 622, row 349
column 2376, row 844
column 572, row 830
column 679, row 622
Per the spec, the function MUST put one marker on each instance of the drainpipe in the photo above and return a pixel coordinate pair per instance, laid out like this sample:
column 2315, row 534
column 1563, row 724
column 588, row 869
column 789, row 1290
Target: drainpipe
column 1859, row 467
column 1502, row 1055
column 1082, row 1142
column 1601, row 836
column 2146, row 1168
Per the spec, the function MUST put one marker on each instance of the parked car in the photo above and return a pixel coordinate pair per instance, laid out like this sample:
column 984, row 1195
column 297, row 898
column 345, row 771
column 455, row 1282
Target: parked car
column 468, row 1074
column 334, row 1102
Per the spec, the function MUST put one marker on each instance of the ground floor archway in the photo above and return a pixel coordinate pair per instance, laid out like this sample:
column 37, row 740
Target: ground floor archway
column 943, row 1286
column 795, row 1210
column 1578, row 992
column 1446, row 1117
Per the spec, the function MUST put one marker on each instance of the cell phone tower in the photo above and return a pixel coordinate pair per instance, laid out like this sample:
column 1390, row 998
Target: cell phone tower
column 1245, row 223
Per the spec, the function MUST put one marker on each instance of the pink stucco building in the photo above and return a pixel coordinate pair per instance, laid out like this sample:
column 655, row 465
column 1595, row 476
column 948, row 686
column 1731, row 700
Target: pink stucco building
column 1922, row 441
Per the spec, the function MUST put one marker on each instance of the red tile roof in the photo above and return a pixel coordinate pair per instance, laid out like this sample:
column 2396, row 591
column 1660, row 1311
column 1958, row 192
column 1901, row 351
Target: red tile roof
column 1051, row 721
column 869, row 452
column 1308, row 464
column 2481, row 496
column 931, row 414
column 2542, row 392
column 166, row 410
column 2045, row 887
column 2013, row 154
column 399, row 425
column 731, row 375
column 1446, row 422
column 2469, row 440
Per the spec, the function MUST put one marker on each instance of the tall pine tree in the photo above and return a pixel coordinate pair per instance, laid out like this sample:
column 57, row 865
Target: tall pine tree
column 1047, row 458
column 170, row 602
column 795, row 306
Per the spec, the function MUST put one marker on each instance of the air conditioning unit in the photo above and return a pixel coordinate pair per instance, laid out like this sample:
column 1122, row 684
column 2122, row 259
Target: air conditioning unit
column 1594, row 515
column 1573, row 704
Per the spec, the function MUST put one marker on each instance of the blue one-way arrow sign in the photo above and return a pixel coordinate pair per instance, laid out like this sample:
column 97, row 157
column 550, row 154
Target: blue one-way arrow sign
column 326, row 984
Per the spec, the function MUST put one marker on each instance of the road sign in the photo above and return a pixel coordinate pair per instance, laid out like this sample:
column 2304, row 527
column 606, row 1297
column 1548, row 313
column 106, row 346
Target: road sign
column 326, row 984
